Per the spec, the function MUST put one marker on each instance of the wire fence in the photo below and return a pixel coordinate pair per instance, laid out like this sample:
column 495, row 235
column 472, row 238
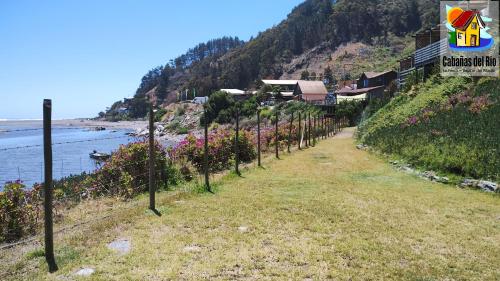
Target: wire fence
column 281, row 132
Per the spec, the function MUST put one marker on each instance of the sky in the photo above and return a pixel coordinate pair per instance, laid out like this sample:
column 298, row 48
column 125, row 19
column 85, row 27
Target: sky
column 87, row 54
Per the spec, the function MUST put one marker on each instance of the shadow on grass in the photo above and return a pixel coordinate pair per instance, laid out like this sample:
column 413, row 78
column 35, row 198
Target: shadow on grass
column 156, row 212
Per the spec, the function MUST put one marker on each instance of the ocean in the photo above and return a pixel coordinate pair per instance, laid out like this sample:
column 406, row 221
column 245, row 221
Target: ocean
column 21, row 150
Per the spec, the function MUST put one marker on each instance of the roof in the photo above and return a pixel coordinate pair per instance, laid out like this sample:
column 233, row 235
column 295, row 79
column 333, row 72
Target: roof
column 463, row 21
column 312, row 87
column 346, row 91
column 370, row 74
column 280, row 82
column 233, row 91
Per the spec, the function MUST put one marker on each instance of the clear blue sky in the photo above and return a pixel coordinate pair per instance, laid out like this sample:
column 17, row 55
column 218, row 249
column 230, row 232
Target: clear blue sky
column 86, row 54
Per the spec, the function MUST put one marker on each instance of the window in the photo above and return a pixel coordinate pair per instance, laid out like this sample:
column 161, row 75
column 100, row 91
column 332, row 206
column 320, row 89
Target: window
column 459, row 35
column 474, row 25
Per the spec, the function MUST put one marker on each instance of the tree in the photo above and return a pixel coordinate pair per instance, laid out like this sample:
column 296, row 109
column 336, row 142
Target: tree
column 328, row 75
column 220, row 108
column 276, row 92
column 304, row 75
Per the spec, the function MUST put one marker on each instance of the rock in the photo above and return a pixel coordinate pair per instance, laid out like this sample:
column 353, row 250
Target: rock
column 408, row 169
column 86, row 271
column 443, row 180
column 193, row 248
column 243, row 228
column 362, row 146
column 122, row 246
column 469, row 183
column 488, row 186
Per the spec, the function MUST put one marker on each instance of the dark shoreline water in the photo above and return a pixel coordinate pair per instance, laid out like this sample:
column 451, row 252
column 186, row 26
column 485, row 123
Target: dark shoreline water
column 71, row 149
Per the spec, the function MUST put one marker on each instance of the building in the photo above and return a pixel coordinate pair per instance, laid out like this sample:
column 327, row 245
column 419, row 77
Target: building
column 200, row 100
column 237, row 94
column 428, row 47
column 348, row 93
column 311, row 91
column 467, row 27
column 286, row 87
column 374, row 79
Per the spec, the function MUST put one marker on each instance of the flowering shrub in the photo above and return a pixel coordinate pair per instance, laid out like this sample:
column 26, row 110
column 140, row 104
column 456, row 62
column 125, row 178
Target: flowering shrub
column 268, row 137
column 220, row 149
column 126, row 174
column 19, row 211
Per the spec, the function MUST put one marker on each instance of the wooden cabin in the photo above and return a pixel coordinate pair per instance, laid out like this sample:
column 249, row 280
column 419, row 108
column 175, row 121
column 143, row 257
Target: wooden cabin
column 311, row 91
column 374, row 79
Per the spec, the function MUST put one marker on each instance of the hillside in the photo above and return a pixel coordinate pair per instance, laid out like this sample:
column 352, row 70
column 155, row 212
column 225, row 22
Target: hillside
column 448, row 125
column 316, row 34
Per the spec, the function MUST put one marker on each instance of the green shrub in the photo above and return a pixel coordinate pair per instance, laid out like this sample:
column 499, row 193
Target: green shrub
column 182, row 130
column 20, row 211
column 159, row 114
column 351, row 110
column 447, row 125
column 126, row 174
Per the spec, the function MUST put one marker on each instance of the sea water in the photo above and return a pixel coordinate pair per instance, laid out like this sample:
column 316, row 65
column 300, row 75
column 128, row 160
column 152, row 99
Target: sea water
column 69, row 158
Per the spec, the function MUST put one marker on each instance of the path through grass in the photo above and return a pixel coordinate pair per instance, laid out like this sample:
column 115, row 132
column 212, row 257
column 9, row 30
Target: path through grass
column 328, row 212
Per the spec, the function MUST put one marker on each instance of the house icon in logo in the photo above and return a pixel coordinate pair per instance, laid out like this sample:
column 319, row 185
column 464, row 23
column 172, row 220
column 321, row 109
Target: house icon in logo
column 467, row 26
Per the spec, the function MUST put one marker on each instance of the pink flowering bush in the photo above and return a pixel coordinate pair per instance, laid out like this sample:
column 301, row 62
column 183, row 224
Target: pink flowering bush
column 20, row 211
column 220, row 149
column 451, row 126
column 126, row 174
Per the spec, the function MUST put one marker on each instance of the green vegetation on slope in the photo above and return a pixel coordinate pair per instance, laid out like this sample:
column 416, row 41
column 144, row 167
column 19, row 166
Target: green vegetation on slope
column 326, row 213
column 444, row 124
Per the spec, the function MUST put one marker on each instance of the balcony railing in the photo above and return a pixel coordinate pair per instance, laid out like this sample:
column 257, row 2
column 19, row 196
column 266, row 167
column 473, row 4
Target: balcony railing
column 430, row 53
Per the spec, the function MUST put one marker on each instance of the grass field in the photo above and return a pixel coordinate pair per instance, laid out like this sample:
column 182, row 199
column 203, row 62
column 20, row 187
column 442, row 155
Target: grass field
column 328, row 212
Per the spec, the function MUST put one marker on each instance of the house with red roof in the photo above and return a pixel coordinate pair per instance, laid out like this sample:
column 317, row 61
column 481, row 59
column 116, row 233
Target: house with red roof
column 467, row 28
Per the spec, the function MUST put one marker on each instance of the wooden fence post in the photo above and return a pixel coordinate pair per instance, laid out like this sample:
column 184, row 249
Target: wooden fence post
column 276, row 135
column 327, row 127
column 299, row 132
column 324, row 127
column 290, row 133
column 237, row 143
column 47, row 185
column 205, row 156
column 306, row 130
column 309, row 129
column 258, row 138
column 314, row 130
column 151, row 159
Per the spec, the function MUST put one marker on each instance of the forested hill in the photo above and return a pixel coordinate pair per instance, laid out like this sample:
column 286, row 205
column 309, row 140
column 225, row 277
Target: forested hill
column 231, row 63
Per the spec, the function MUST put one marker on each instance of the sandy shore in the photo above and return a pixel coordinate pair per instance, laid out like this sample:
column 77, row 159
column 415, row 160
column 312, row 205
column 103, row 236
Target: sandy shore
column 130, row 125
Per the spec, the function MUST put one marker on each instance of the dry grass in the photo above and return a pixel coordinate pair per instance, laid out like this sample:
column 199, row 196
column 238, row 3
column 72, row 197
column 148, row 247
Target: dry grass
column 328, row 212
